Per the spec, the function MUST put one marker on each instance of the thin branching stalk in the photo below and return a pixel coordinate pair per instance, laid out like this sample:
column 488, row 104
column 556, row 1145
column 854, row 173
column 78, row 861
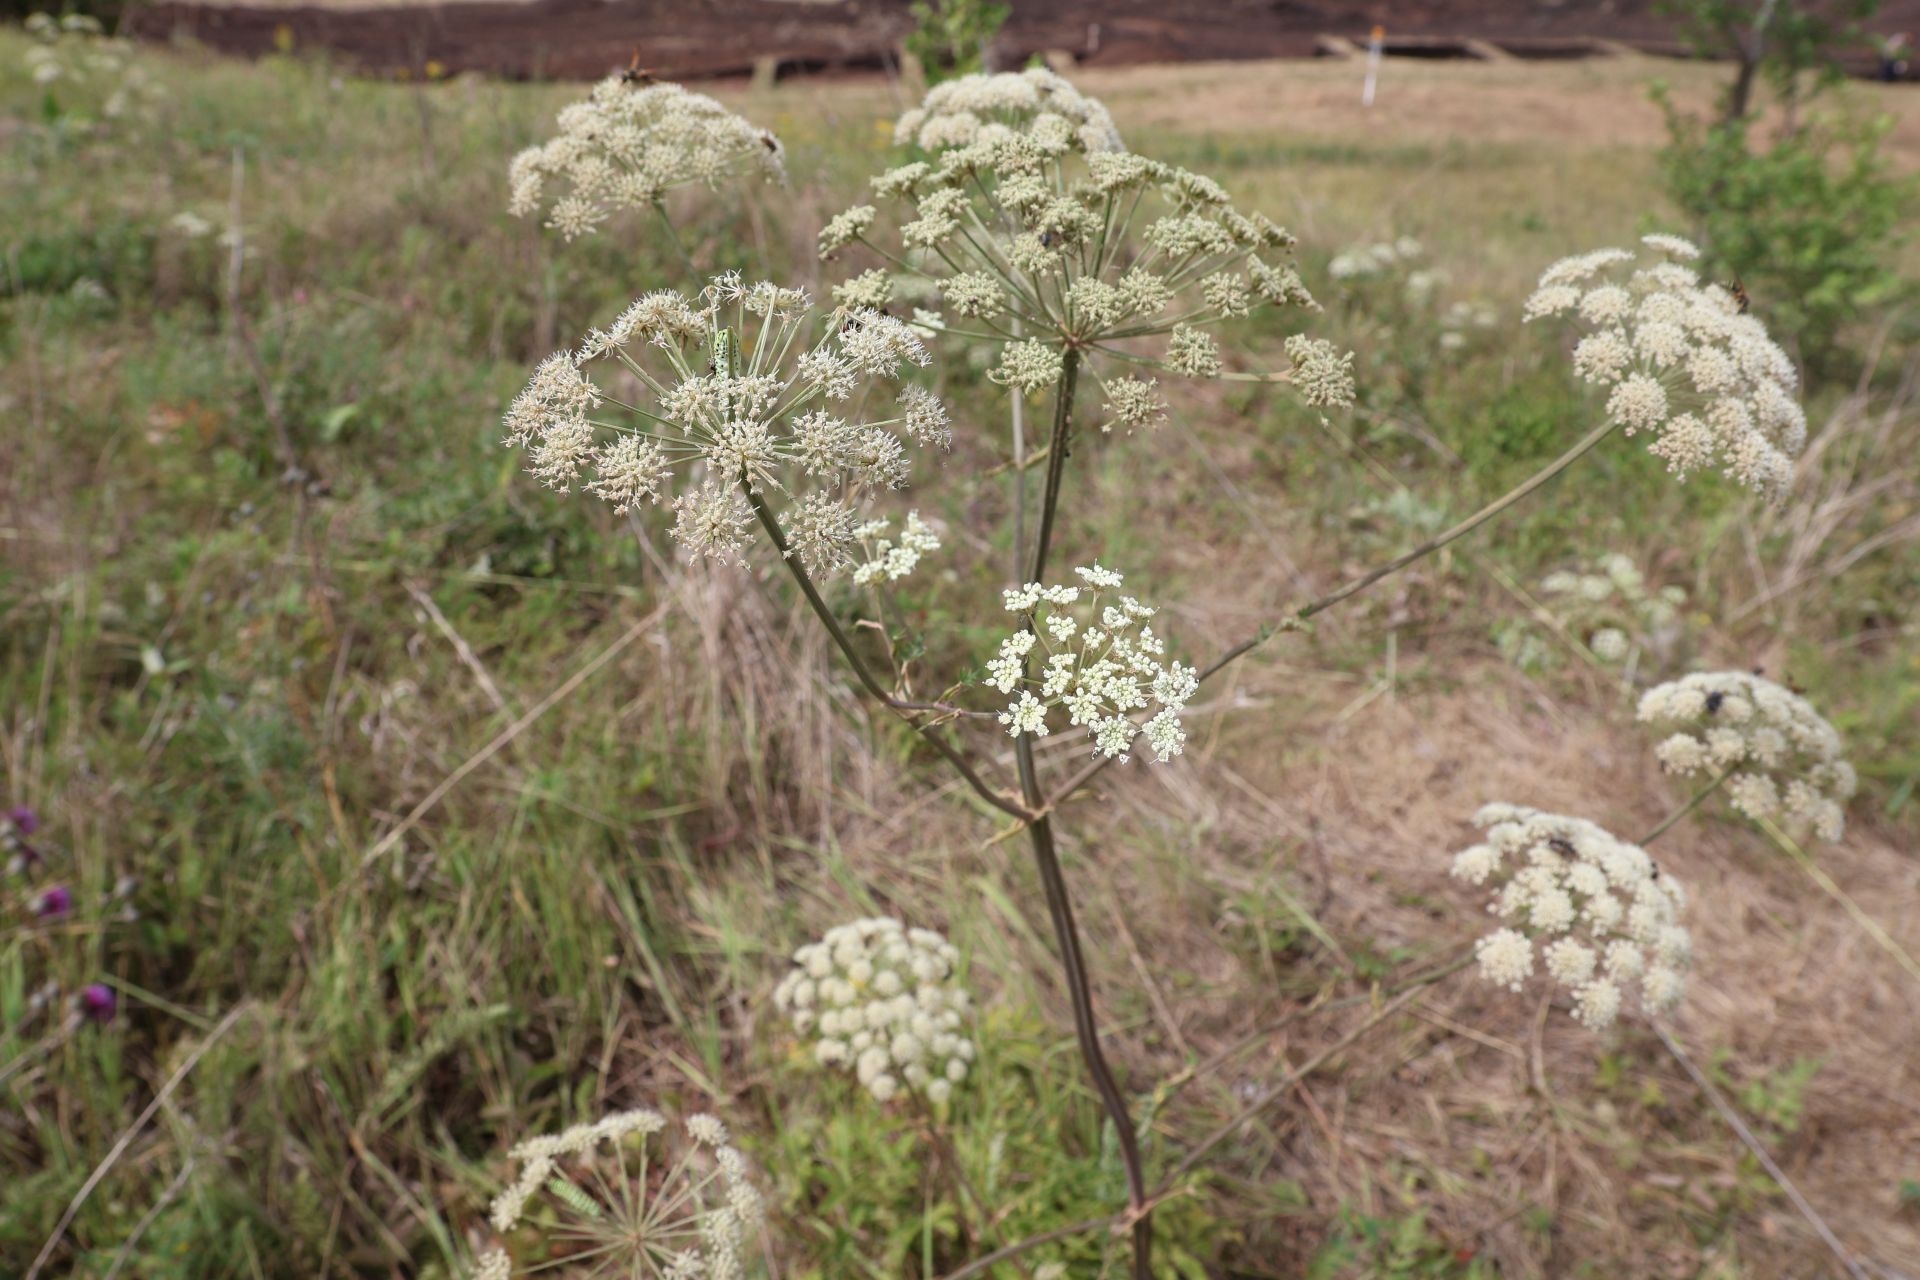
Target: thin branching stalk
column 1680, row 814
column 1273, row 1092
column 1767, row 1162
column 1868, row 925
column 1053, row 881
column 907, row 710
column 1086, row 1028
column 1293, row 618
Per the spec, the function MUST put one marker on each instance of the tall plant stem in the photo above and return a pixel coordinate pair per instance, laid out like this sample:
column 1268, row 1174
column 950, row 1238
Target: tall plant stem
column 907, row 710
column 1073, row 967
column 1300, row 613
column 1056, row 458
column 1679, row 814
column 1046, row 858
column 1396, row 999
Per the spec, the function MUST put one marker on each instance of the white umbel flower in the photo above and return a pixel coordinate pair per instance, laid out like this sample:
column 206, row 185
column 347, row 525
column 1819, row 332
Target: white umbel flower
column 890, row 559
column 1681, row 362
column 1042, row 235
column 639, row 1198
column 628, row 144
column 1786, row 761
column 1100, row 660
column 1592, row 905
column 1037, row 103
column 746, row 382
column 884, row 1002
column 1610, row 602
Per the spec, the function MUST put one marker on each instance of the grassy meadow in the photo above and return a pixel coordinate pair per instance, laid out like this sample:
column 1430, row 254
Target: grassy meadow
column 410, row 809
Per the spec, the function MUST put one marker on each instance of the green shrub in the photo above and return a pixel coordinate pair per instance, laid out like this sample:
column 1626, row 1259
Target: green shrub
column 1809, row 224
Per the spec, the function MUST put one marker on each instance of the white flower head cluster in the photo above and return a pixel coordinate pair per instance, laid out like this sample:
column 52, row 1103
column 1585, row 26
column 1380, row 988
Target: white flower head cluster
column 1596, row 911
column 890, row 558
column 1782, row 758
column 745, row 384
column 1370, row 261
column 969, row 109
column 1463, row 318
column 1048, row 244
column 1102, row 662
column 1609, row 604
column 625, row 1194
column 628, row 144
column 76, row 51
column 882, row 1001
column 1683, row 362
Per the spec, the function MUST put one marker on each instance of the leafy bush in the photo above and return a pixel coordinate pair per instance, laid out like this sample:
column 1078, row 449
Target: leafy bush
column 1809, row 224
column 951, row 37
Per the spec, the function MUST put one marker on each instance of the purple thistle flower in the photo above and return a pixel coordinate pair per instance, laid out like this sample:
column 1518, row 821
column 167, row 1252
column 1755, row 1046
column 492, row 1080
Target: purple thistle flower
column 98, row 1002
column 54, row 903
column 24, row 820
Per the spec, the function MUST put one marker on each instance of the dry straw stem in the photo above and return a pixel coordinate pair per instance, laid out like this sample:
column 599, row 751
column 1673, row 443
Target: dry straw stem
column 132, row 1131
column 387, row 842
column 1298, row 615
column 243, row 331
column 1842, row 483
column 1868, row 925
column 1759, row 1151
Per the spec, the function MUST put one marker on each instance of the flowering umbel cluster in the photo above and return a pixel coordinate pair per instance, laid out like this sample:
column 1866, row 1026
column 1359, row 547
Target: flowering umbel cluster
column 1101, row 662
column 1367, row 261
column 626, row 1197
column 1602, row 916
column 75, row 50
column 975, row 108
column 891, row 557
column 1683, row 361
column 882, row 1000
column 739, row 385
column 627, row 145
column 1044, row 245
column 1782, row 758
column 1610, row 606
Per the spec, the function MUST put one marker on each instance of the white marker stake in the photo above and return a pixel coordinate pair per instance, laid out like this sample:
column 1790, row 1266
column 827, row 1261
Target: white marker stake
column 1373, row 65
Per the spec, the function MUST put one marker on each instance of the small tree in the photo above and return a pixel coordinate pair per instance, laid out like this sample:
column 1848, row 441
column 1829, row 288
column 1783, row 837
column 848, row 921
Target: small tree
column 1780, row 39
column 1809, row 219
column 954, row 37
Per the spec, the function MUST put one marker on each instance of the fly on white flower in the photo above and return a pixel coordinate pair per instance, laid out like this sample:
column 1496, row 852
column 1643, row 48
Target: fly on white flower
column 1781, row 758
column 1683, row 362
column 1595, row 911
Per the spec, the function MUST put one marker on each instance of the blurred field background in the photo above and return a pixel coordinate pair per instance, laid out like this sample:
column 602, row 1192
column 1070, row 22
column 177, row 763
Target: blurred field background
column 267, row 581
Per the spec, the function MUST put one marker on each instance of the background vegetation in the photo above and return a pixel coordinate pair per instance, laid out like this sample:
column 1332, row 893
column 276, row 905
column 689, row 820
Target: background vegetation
column 266, row 582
